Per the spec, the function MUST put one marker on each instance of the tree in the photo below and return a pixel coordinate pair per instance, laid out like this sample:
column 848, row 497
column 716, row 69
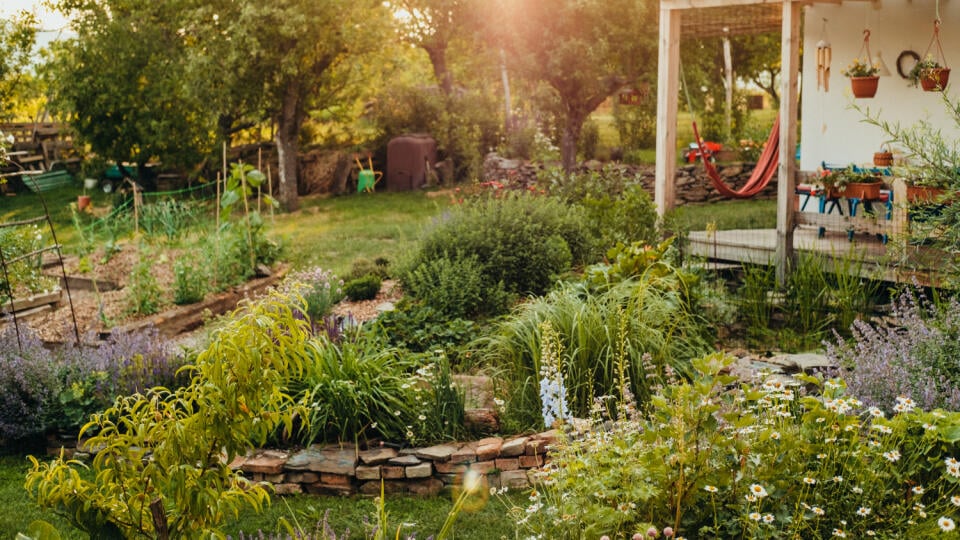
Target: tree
column 297, row 52
column 585, row 50
column 18, row 36
column 120, row 82
column 432, row 25
column 757, row 59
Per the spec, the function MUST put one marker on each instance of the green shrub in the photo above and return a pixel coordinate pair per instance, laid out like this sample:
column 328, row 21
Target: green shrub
column 758, row 461
column 456, row 288
column 363, row 288
column 361, row 267
column 616, row 206
column 521, row 241
column 421, row 328
column 165, row 454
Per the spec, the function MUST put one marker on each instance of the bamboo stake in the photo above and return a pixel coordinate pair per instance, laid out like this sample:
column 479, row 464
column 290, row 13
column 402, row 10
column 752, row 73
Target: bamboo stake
column 246, row 212
column 259, row 168
column 270, row 190
column 216, row 245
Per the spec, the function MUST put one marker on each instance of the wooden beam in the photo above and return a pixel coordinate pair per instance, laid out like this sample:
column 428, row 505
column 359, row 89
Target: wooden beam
column 668, row 76
column 789, row 95
column 700, row 4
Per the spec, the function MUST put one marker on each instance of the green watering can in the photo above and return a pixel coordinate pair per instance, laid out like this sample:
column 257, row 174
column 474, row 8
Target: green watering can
column 367, row 178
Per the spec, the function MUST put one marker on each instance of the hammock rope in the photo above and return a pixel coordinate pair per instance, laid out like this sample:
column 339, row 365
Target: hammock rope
column 762, row 173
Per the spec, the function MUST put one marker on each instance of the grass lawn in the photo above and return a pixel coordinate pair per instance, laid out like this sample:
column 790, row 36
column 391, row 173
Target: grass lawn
column 424, row 516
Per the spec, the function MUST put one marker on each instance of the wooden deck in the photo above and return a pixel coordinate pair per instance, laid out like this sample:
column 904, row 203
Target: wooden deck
column 895, row 261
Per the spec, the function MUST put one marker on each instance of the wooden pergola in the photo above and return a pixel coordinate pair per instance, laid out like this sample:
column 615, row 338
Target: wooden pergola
column 707, row 18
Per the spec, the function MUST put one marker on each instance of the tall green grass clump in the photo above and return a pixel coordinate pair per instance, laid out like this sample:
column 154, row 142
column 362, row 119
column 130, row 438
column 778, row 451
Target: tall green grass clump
column 518, row 243
column 653, row 312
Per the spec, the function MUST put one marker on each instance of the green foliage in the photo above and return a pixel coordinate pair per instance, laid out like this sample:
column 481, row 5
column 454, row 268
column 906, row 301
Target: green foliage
column 357, row 389
column 320, row 289
column 363, row 288
column 636, row 124
column 421, row 328
column 759, row 461
column 18, row 36
column 380, row 266
column 521, row 241
column 21, row 274
column 191, row 281
column 237, row 249
column 616, row 206
column 456, row 288
column 169, row 218
column 235, row 401
column 143, row 292
column 653, row 312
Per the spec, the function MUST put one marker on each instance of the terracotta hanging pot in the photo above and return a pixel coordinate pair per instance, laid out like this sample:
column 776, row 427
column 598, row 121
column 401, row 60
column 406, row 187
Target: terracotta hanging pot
column 863, row 191
column 934, row 79
column 864, row 87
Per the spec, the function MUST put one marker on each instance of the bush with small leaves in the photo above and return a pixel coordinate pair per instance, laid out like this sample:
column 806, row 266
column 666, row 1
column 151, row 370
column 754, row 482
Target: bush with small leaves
column 363, row 288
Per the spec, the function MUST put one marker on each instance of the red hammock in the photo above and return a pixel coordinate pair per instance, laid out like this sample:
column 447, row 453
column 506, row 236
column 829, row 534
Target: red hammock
column 762, row 173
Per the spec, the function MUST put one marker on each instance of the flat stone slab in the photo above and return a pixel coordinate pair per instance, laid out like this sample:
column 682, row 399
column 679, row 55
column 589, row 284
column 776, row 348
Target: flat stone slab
column 513, row 447
column 801, row 362
column 377, row 456
column 321, row 459
column 265, row 462
column 440, row 452
column 423, row 470
column 405, row 461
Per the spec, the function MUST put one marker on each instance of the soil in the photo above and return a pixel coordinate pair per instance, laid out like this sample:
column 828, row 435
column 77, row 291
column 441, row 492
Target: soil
column 99, row 311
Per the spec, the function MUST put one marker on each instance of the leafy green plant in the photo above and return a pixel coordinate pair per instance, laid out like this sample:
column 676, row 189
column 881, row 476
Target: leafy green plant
column 363, row 288
column 756, row 303
column 420, row 328
column 186, row 488
column 190, row 281
column 457, row 288
column 143, row 293
column 20, row 247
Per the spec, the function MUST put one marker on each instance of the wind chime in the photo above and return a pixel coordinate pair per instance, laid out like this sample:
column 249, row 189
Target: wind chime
column 824, row 56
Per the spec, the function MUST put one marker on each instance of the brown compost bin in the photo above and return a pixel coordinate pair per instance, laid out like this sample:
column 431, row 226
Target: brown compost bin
column 409, row 158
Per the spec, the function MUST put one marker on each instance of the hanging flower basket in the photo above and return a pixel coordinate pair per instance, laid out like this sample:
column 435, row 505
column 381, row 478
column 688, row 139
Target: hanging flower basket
column 864, row 87
column 934, row 79
column 863, row 191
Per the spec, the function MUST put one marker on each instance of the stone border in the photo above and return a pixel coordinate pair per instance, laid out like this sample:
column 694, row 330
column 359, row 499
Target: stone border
column 348, row 470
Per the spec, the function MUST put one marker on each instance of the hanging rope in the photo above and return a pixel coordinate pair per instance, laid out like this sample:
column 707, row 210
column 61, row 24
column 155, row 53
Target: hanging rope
column 935, row 40
column 865, row 47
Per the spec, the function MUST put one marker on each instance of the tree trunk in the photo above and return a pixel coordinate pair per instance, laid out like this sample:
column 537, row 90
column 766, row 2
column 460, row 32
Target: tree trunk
column 571, row 136
column 438, row 58
column 288, row 145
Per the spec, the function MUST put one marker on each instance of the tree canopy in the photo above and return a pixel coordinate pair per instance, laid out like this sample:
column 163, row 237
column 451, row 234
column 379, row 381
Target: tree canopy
column 18, row 37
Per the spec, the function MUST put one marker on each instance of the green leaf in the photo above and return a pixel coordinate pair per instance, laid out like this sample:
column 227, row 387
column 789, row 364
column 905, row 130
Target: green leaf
column 949, row 433
column 229, row 198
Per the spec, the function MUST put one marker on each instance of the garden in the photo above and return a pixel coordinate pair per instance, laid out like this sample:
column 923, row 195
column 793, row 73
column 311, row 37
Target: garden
column 521, row 352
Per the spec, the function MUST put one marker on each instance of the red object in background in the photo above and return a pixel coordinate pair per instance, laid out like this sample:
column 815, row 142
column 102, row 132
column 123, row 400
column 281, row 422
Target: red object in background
column 710, row 148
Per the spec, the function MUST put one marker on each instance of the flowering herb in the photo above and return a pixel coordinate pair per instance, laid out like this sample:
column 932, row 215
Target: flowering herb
column 861, row 68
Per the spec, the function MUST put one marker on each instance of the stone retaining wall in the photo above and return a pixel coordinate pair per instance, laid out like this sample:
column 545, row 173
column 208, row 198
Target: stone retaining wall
column 347, row 470
column 692, row 183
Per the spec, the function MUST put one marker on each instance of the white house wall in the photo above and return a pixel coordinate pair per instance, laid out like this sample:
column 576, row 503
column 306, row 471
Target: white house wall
column 831, row 129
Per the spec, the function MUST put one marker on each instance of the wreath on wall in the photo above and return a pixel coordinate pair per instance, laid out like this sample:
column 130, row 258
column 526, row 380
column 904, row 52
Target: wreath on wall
column 905, row 64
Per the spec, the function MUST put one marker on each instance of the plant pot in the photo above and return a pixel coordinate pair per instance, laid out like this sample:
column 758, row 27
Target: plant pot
column 924, row 194
column 864, row 87
column 863, row 191
column 934, row 79
column 882, row 159
column 83, row 201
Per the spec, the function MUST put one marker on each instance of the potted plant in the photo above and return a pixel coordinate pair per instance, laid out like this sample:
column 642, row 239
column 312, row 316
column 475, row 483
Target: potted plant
column 930, row 75
column 863, row 78
column 851, row 184
column 924, row 184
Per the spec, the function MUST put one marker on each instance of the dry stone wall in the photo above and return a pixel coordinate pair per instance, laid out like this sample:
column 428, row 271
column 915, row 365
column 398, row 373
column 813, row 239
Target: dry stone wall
column 348, row 470
column 692, row 183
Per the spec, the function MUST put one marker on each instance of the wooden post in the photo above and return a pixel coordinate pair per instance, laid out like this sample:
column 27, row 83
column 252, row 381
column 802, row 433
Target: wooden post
column 789, row 94
column 668, row 72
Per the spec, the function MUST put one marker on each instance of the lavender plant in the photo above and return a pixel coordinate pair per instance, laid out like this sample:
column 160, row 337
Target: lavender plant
column 915, row 353
column 28, row 384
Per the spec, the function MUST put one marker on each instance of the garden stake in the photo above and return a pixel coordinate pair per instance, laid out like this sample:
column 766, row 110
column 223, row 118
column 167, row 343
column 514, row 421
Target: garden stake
column 270, row 191
column 246, row 215
column 216, row 249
